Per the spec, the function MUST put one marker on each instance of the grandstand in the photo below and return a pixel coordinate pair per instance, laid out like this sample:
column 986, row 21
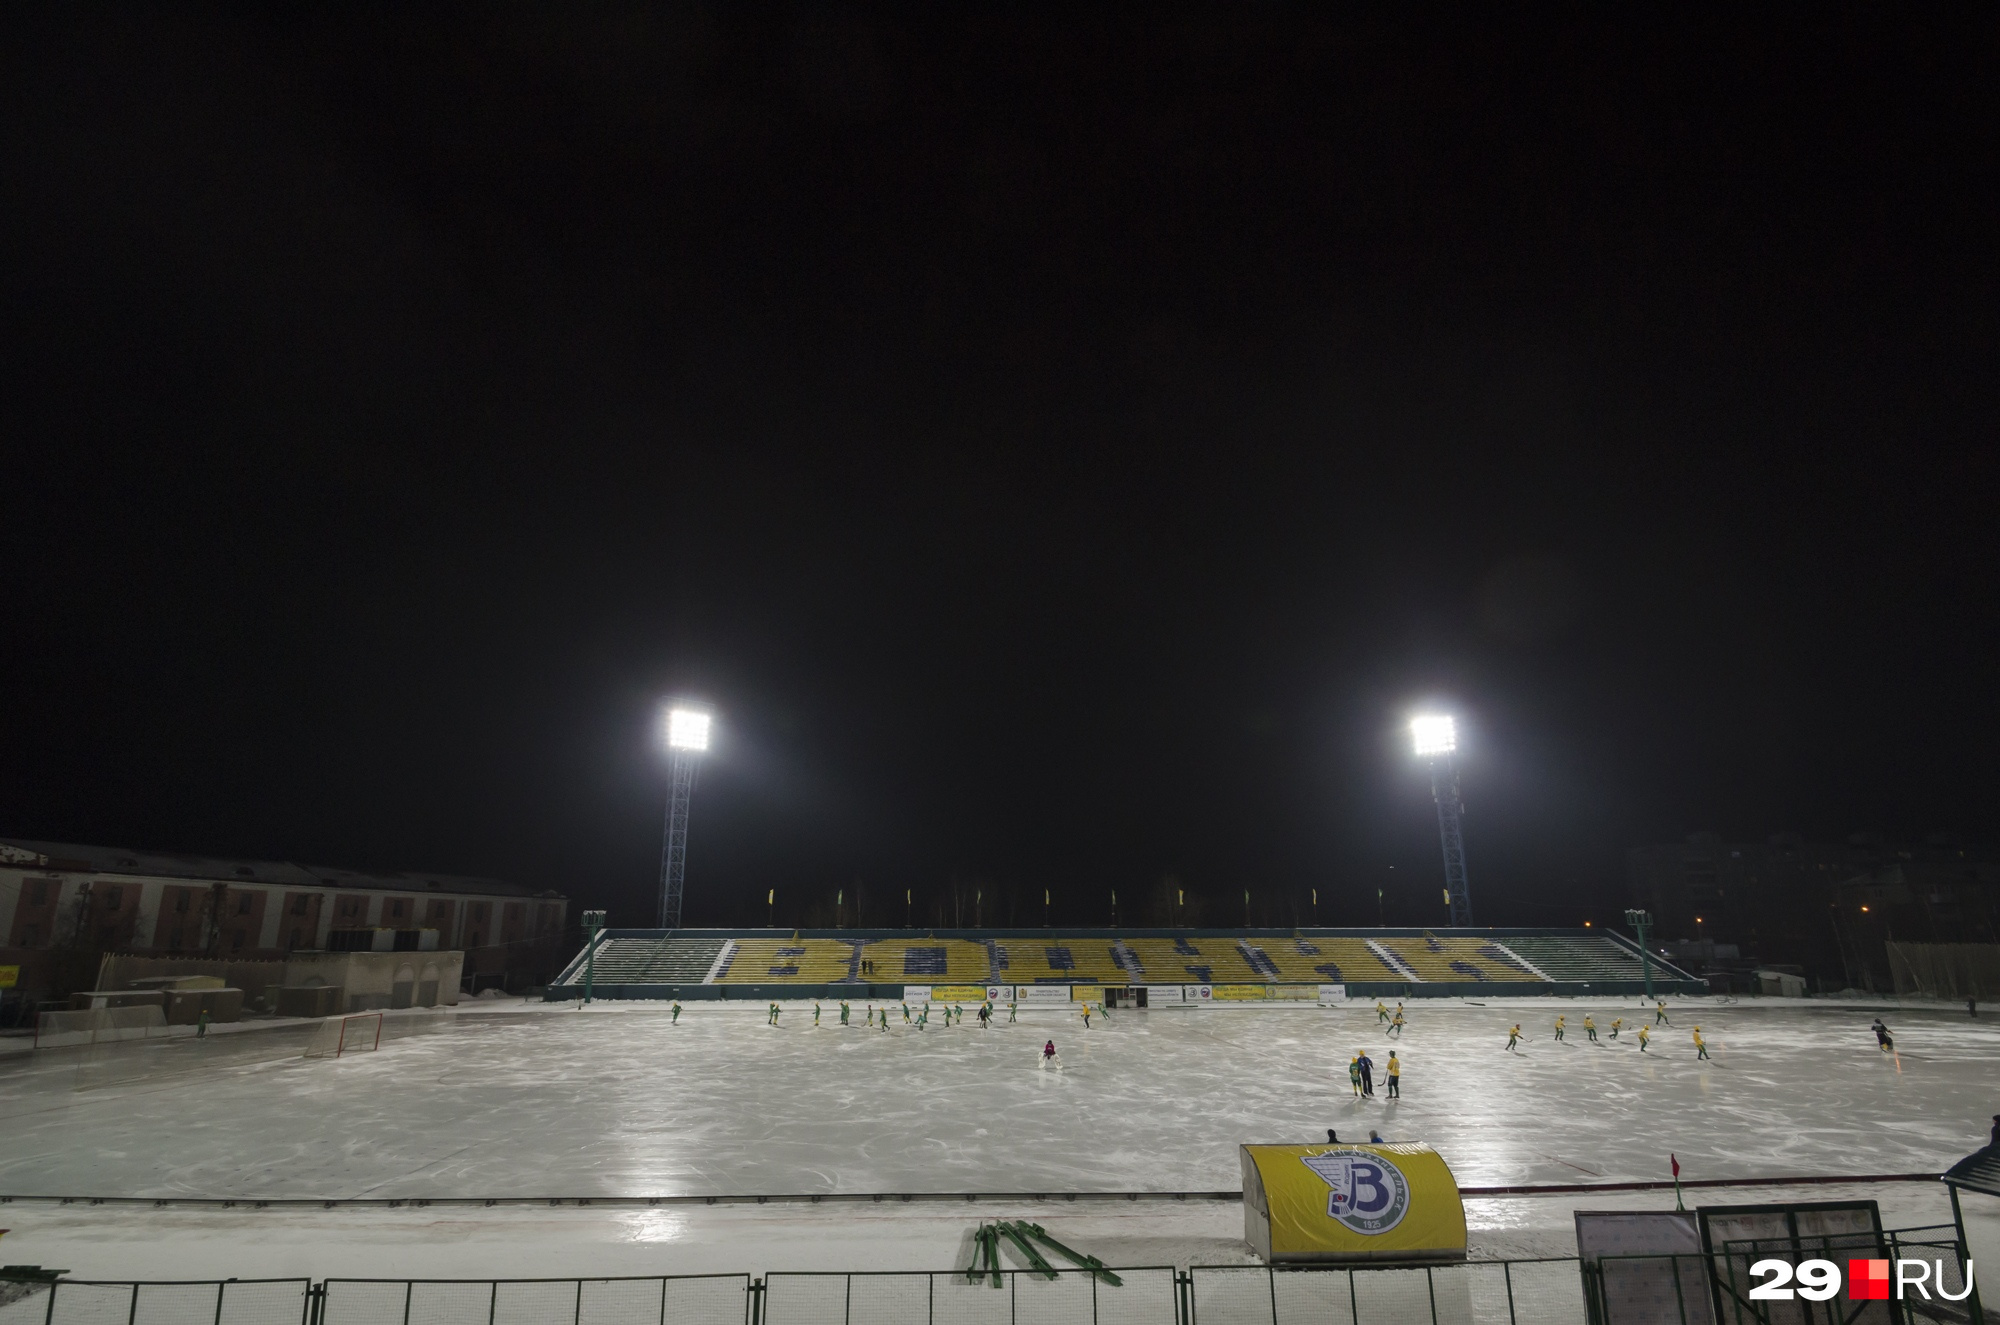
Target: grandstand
column 1403, row 963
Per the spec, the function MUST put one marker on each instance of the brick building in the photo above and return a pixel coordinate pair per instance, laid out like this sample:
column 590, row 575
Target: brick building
column 63, row 906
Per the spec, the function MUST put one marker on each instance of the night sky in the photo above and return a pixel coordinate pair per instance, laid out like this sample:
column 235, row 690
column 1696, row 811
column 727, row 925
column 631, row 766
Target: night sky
column 1064, row 447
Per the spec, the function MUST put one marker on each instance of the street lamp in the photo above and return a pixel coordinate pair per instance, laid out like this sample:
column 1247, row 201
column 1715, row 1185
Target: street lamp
column 1435, row 738
column 593, row 925
column 1639, row 920
column 684, row 728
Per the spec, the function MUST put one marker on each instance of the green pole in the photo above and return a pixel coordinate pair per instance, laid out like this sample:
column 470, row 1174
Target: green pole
column 1639, row 920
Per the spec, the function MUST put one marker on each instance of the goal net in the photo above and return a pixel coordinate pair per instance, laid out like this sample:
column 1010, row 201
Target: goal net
column 98, row 1026
column 359, row 1034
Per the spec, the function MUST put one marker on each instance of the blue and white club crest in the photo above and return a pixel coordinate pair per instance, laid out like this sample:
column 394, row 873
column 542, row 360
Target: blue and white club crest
column 1369, row 1194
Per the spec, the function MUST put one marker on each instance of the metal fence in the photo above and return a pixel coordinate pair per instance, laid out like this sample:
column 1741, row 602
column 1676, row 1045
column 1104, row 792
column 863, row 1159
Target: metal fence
column 1147, row 1296
column 1541, row 1292
column 709, row 1299
column 82, row 1302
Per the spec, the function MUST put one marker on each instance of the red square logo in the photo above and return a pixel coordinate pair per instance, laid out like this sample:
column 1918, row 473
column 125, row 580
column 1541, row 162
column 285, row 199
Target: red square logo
column 1867, row 1281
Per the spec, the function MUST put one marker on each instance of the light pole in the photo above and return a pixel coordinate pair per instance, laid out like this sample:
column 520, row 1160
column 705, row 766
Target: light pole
column 1639, row 920
column 1436, row 738
column 685, row 729
column 593, row 925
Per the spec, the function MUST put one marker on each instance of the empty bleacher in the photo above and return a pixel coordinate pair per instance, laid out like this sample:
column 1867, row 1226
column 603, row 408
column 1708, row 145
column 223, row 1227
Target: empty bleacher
column 1355, row 957
column 801, row 961
column 1447, row 959
column 926, row 961
column 1061, row 961
column 1316, row 959
column 673, row 960
column 1194, row 960
column 1589, row 958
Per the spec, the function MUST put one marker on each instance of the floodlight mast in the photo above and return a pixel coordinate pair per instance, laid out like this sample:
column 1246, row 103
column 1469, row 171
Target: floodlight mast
column 686, row 732
column 1435, row 739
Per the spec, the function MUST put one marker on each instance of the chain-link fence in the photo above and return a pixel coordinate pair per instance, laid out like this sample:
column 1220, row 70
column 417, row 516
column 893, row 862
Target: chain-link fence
column 1146, row 1296
column 709, row 1299
column 38, row 1301
column 1546, row 1292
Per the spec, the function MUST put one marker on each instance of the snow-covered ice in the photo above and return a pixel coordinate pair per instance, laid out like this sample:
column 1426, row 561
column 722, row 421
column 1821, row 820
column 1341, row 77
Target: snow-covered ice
column 534, row 1101
column 618, row 1101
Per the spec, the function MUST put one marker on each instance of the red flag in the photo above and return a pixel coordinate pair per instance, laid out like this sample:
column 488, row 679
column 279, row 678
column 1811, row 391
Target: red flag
column 1676, row 1163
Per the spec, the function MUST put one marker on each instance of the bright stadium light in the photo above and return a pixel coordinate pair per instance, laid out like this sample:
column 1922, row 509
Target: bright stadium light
column 687, row 729
column 1434, row 735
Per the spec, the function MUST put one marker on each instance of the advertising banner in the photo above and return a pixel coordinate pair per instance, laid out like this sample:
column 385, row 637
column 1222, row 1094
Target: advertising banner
column 1333, row 993
column 1196, row 993
column 958, row 993
column 1043, row 993
column 1163, row 995
column 916, row 993
column 1351, row 1203
column 1240, row 993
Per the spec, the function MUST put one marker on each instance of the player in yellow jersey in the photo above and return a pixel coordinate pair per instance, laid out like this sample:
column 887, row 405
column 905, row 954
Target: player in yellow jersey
column 1617, row 1024
column 1395, row 1077
column 1514, row 1037
column 1645, row 1033
column 1589, row 1028
column 1700, row 1045
column 1559, row 1027
column 1381, row 1012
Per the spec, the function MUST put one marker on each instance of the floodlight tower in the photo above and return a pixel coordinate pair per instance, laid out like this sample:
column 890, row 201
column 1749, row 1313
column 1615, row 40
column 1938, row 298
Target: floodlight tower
column 1436, row 738
column 685, row 729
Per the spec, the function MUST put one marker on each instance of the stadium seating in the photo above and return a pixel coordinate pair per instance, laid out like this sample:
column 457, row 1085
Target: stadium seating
column 1194, row 961
column 1059, row 961
column 929, row 961
column 1355, row 957
column 804, row 961
column 1446, row 959
column 668, row 961
column 1584, row 958
column 1320, row 960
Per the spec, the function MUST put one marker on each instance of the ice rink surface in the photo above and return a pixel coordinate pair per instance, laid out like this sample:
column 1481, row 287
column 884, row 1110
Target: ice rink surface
column 616, row 1100
column 547, row 1101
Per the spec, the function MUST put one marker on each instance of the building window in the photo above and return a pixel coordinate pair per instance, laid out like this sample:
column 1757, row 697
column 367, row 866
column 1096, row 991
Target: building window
column 236, row 939
column 180, row 908
column 112, row 896
column 299, row 905
column 38, row 892
column 30, row 935
column 295, row 938
column 475, row 939
column 396, row 910
column 243, row 905
column 174, row 943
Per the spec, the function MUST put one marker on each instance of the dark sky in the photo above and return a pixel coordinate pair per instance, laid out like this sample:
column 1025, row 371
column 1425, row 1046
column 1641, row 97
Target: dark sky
column 1063, row 446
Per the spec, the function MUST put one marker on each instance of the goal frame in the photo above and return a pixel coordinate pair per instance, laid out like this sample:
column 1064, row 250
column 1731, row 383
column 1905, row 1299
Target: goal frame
column 357, row 1033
